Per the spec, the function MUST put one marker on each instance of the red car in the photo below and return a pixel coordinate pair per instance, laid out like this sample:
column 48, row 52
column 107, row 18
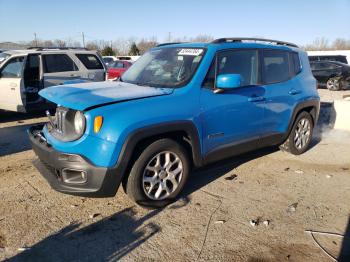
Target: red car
column 117, row 68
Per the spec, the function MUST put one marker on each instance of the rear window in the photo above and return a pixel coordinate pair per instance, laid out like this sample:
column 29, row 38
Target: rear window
column 55, row 63
column 275, row 66
column 90, row 61
column 118, row 65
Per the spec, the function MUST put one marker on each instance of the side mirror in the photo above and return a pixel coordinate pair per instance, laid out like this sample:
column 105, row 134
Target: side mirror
column 228, row 81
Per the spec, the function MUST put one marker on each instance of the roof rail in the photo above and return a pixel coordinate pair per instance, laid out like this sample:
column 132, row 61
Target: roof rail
column 170, row 43
column 40, row 48
column 241, row 39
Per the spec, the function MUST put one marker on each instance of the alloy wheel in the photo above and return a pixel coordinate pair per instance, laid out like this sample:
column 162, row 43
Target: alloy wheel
column 162, row 175
column 302, row 133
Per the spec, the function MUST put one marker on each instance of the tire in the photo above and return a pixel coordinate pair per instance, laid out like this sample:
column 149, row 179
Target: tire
column 345, row 84
column 334, row 84
column 152, row 182
column 296, row 142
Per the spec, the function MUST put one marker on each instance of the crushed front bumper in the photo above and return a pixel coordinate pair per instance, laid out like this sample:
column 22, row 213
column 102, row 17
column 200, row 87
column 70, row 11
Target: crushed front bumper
column 71, row 173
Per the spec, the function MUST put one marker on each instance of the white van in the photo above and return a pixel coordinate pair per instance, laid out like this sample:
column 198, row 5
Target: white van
column 23, row 73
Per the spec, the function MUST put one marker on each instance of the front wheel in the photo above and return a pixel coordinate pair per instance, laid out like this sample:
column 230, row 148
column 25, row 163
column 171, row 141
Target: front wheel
column 158, row 174
column 300, row 136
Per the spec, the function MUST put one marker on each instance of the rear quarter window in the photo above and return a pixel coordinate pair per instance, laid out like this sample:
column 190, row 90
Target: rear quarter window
column 90, row 61
column 55, row 63
column 295, row 64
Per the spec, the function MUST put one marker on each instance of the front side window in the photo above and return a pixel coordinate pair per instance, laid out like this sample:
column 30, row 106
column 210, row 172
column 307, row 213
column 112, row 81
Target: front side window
column 13, row 68
column 55, row 63
column 275, row 66
column 242, row 62
column 90, row 61
column 323, row 66
column 165, row 67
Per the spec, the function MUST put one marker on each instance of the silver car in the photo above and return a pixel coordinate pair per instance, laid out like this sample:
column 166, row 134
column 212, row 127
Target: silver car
column 23, row 73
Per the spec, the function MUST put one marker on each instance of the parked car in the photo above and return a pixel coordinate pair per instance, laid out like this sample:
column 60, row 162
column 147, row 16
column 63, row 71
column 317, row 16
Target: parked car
column 108, row 60
column 180, row 106
column 332, row 55
column 23, row 73
column 336, row 58
column 117, row 69
column 131, row 58
column 334, row 75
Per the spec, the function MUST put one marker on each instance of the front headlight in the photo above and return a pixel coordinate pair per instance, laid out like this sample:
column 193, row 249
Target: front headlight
column 68, row 124
column 79, row 122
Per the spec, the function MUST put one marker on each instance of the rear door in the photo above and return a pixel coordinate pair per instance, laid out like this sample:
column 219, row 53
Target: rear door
column 58, row 68
column 93, row 67
column 11, row 84
column 280, row 70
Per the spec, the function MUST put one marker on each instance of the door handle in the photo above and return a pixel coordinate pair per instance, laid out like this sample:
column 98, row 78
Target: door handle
column 256, row 99
column 294, row 92
column 13, row 85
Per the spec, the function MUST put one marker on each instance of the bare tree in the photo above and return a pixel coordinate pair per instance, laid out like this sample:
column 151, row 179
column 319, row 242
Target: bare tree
column 341, row 44
column 146, row 44
column 318, row 44
column 60, row 43
column 91, row 46
column 47, row 43
column 202, row 38
column 123, row 45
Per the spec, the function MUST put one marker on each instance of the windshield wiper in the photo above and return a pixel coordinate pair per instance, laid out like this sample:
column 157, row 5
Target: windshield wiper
column 146, row 84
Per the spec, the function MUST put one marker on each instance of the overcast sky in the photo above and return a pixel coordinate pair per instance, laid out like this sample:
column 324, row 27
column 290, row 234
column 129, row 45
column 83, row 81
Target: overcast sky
column 299, row 21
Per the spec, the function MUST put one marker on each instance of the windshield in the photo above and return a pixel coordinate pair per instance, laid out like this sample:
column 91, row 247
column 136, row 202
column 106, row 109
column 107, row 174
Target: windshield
column 165, row 67
column 3, row 57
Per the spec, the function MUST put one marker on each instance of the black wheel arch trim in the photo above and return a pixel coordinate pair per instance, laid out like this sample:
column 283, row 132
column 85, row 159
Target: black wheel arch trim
column 140, row 134
column 301, row 106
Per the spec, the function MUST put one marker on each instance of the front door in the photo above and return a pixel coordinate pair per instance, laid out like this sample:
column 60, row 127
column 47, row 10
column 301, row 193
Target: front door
column 234, row 116
column 11, row 84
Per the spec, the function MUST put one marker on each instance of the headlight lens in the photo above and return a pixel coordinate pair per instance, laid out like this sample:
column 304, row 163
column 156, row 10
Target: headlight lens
column 79, row 122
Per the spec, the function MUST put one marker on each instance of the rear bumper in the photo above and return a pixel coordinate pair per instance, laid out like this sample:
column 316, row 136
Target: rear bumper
column 54, row 167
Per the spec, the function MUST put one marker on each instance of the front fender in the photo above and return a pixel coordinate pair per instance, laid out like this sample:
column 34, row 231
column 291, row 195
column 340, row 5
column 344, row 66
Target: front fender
column 126, row 147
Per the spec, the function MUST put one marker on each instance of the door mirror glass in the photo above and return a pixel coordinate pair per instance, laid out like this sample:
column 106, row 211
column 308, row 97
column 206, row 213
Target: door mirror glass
column 228, row 81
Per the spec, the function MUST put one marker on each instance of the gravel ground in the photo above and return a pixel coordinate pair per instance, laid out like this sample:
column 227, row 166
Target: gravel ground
column 212, row 220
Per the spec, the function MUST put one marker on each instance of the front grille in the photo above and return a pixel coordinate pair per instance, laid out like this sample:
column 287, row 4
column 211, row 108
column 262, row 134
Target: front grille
column 60, row 119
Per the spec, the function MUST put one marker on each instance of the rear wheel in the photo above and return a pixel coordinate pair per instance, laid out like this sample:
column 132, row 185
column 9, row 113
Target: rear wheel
column 300, row 136
column 158, row 174
column 334, row 84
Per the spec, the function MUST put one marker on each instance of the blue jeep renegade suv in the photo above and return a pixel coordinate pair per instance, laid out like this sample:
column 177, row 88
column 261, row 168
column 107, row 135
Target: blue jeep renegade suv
column 179, row 106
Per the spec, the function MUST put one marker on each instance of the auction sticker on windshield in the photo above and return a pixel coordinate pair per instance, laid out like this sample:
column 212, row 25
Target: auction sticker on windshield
column 190, row 51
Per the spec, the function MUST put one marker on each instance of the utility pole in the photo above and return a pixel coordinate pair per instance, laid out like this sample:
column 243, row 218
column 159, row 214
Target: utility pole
column 169, row 37
column 82, row 34
column 35, row 40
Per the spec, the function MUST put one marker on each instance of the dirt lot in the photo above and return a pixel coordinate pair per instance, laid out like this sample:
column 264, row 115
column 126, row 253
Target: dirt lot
column 210, row 222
